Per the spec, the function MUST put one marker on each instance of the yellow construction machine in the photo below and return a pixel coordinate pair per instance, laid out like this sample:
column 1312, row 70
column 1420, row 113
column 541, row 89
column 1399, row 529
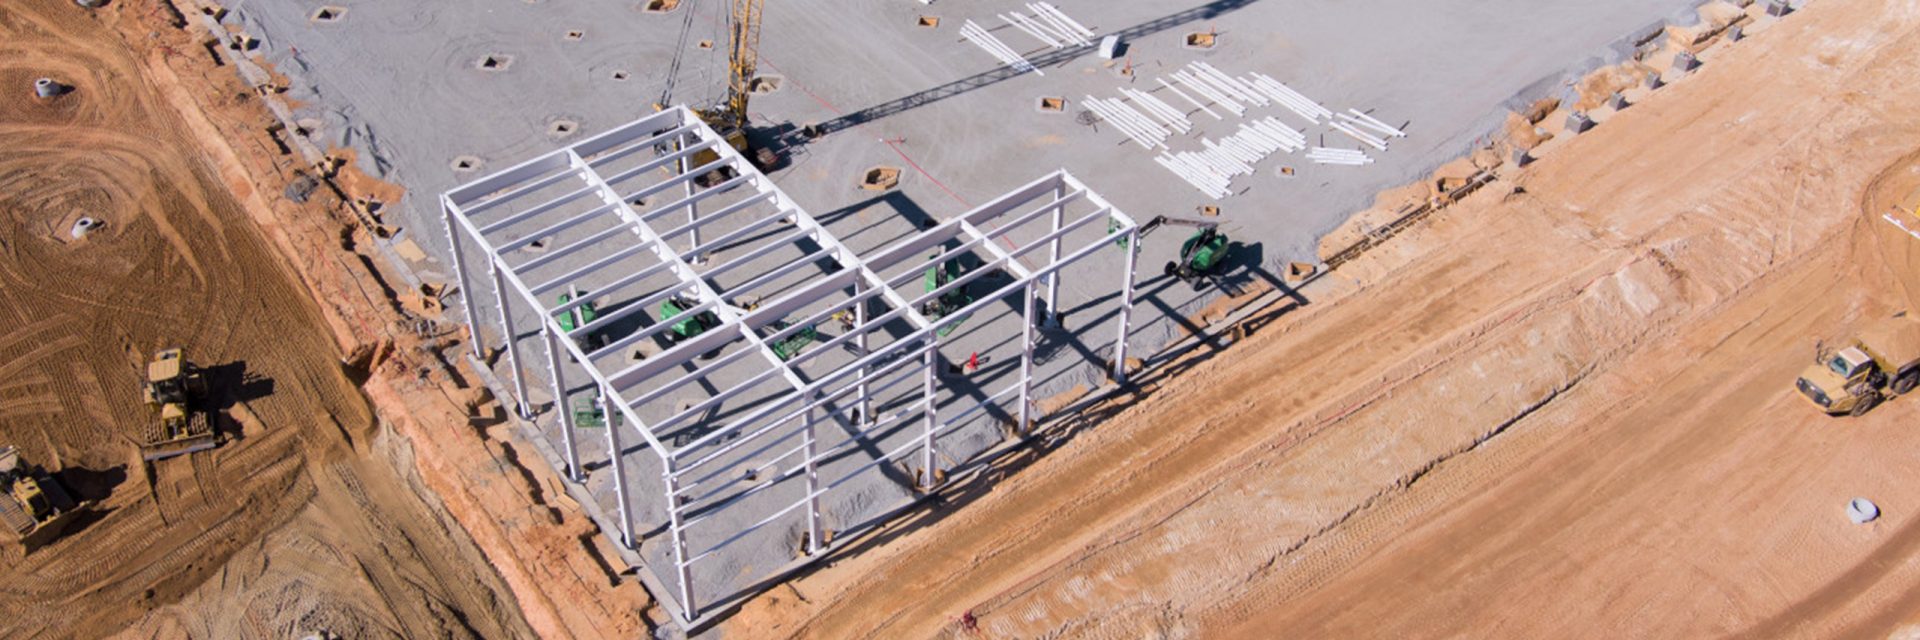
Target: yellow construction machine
column 1883, row 362
column 729, row 118
column 34, row 508
column 178, row 390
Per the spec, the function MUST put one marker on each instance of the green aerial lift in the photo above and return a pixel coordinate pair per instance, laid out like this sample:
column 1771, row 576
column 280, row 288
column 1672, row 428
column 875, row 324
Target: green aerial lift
column 580, row 316
column 587, row 414
column 938, row 276
column 791, row 346
column 1201, row 255
column 691, row 326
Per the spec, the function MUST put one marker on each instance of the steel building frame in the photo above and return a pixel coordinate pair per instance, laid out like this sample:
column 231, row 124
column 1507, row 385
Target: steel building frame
column 499, row 214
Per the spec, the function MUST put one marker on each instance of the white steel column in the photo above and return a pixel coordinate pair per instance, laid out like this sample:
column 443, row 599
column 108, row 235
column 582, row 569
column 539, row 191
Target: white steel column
column 1026, row 362
column 513, row 345
column 619, row 463
column 679, row 534
column 1053, row 257
column 816, row 539
column 860, row 324
column 693, row 208
column 466, row 286
column 928, row 458
column 561, row 405
column 1126, row 307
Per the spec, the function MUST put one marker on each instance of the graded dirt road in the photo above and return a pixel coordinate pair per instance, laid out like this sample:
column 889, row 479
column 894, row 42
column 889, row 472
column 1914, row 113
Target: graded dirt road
column 1562, row 408
column 300, row 522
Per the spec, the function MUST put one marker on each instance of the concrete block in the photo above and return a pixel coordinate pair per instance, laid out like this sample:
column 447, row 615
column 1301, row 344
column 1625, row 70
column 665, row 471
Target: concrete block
column 1578, row 122
column 1521, row 158
column 1736, row 33
column 1618, row 102
column 1655, row 81
column 1778, row 8
column 1685, row 61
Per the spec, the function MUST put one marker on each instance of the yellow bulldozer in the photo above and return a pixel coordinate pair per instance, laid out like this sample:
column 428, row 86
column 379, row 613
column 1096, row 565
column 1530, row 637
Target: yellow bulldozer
column 34, row 508
column 178, row 390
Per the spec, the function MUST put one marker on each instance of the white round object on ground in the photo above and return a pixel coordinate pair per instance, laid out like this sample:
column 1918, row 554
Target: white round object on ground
column 1862, row 511
column 85, row 225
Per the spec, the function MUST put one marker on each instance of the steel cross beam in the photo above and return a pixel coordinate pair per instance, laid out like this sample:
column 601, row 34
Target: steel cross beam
column 675, row 137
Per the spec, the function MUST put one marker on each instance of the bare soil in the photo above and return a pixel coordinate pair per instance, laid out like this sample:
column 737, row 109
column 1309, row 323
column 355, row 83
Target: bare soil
column 307, row 518
column 1561, row 408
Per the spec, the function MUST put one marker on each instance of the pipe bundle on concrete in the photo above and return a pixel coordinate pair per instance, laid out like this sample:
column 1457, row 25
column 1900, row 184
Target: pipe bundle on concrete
column 1293, row 100
column 1209, row 92
column 1183, row 95
column 1212, row 171
column 1158, row 108
column 1144, row 131
column 1350, row 157
column 1051, row 26
column 980, row 38
column 1354, row 132
column 1358, row 118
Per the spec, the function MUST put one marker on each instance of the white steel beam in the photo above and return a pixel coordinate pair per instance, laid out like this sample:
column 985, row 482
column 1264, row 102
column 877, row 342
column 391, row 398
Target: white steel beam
column 474, row 340
column 513, row 343
column 786, row 422
column 561, row 406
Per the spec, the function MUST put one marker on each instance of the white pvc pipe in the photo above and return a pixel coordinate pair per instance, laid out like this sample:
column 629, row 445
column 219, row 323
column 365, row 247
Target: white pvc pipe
column 1183, row 95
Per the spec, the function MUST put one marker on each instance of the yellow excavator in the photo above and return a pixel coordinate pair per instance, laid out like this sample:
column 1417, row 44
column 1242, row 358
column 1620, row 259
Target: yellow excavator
column 178, row 389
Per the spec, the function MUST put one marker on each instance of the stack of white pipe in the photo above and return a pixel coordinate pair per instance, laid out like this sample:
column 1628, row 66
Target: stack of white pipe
column 1240, row 89
column 1293, row 100
column 1174, row 118
column 1350, row 157
column 1033, row 28
column 1056, row 23
column 1270, row 135
column 980, row 38
column 1359, row 119
column 1183, row 95
column 1198, row 172
column 1212, row 171
column 1209, row 92
column 1354, row 132
column 1144, row 131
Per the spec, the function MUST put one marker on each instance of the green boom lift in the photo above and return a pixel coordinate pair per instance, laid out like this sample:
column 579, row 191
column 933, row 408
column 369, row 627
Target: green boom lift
column 1201, row 255
column 691, row 326
column 938, row 276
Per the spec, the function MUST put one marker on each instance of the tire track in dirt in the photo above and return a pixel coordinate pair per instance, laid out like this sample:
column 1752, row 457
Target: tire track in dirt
column 179, row 263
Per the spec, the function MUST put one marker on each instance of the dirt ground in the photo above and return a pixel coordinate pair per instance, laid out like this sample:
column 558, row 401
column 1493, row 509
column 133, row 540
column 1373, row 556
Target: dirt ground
column 1561, row 408
column 305, row 520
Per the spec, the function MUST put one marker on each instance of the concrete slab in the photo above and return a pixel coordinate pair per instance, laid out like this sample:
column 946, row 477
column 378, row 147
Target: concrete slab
column 431, row 94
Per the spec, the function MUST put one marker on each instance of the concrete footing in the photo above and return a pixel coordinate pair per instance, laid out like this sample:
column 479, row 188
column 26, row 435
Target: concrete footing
column 1579, row 122
column 1618, row 102
column 1778, row 8
column 1685, row 61
column 1521, row 158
